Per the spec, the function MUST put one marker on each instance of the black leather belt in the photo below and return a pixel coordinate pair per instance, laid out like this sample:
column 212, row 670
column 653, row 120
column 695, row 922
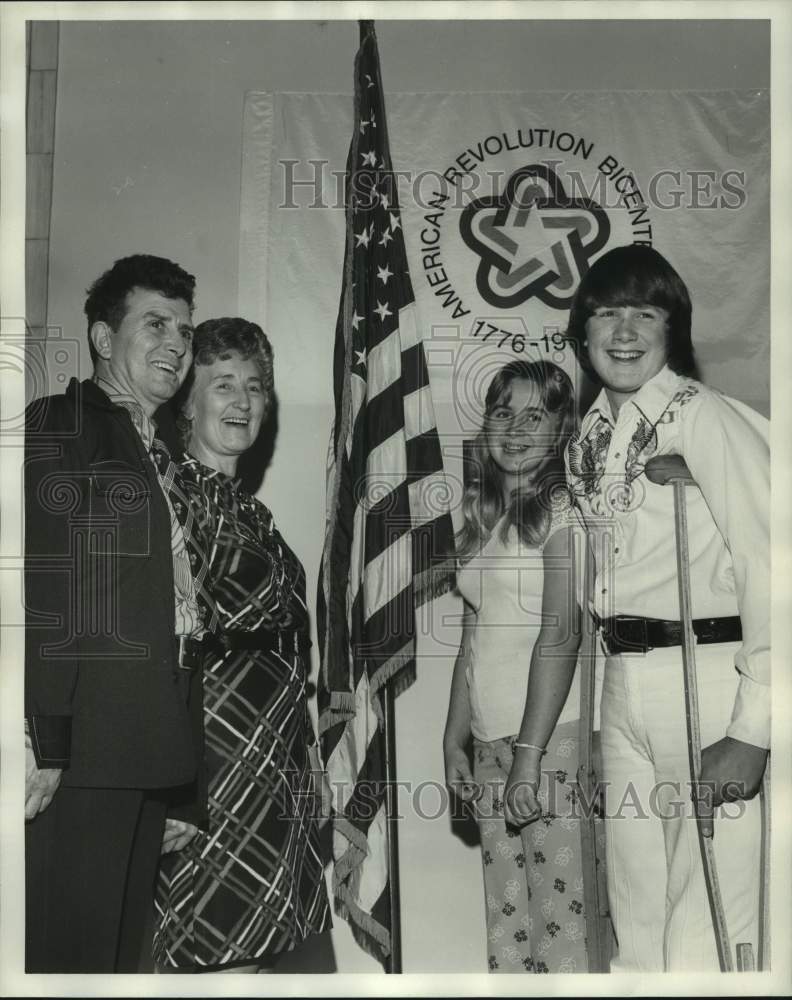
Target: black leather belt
column 625, row 634
column 190, row 652
column 262, row 640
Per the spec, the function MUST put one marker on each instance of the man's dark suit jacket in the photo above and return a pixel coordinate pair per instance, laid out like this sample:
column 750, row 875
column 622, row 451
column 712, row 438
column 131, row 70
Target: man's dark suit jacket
column 102, row 694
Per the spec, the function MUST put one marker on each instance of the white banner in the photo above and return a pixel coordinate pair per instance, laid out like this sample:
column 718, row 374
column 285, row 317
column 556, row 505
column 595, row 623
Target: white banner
column 506, row 200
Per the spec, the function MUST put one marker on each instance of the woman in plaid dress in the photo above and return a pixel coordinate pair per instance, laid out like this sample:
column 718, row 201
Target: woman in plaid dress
column 251, row 886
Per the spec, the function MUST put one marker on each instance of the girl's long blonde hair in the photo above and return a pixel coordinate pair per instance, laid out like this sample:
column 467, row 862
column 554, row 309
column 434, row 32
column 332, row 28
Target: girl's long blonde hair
column 530, row 509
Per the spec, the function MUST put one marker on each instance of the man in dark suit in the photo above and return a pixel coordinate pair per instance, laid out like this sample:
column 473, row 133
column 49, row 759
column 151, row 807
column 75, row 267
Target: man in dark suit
column 114, row 566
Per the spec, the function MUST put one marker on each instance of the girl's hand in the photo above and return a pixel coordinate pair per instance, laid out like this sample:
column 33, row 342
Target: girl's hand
column 458, row 776
column 178, row 834
column 521, row 794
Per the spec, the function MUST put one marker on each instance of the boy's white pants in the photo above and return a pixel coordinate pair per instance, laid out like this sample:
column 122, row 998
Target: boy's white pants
column 656, row 886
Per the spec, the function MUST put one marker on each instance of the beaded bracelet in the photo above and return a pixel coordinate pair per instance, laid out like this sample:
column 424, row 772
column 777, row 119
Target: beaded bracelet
column 529, row 746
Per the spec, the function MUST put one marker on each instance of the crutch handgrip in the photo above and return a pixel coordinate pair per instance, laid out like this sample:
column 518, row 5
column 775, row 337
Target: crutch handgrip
column 666, row 469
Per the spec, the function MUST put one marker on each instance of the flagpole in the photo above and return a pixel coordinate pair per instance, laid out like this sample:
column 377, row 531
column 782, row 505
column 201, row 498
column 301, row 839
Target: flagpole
column 393, row 963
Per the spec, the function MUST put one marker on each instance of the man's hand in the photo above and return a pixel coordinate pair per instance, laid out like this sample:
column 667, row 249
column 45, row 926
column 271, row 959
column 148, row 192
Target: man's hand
column 459, row 777
column 177, row 836
column 40, row 784
column 730, row 771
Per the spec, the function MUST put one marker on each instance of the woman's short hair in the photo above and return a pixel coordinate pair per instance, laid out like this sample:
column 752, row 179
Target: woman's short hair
column 218, row 339
column 635, row 275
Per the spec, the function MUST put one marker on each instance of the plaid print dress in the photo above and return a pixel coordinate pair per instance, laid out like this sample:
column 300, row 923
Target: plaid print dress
column 252, row 886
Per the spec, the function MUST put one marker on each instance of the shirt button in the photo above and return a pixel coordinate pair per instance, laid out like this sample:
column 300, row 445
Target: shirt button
column 617, row 455
column 604, row 590
column 616, row 550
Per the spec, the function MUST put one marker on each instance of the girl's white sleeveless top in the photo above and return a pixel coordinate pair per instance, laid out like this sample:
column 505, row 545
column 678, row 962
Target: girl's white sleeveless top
column 504, row 584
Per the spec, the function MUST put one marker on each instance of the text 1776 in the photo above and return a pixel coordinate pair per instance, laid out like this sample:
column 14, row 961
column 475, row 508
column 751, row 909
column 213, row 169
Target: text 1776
column 518, row 341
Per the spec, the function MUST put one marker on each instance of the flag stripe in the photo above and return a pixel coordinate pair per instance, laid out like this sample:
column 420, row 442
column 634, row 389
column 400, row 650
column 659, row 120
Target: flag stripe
column 415, row 374
column 388, row 573
column 418, row 413
column 383, row 413
column 384, row 364
column 388, row 521
column 385, row 639
column 424, row 455
column 408, row 328
column 387, row 468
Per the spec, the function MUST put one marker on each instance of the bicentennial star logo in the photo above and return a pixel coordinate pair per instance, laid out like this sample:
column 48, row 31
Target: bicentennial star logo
column 533, row 240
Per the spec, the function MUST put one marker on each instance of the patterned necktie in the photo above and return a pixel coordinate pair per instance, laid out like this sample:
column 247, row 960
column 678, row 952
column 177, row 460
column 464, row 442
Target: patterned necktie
column 186, row 537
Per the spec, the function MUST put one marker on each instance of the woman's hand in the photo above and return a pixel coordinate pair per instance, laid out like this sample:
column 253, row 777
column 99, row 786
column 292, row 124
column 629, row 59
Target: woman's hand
column 178, row 834
column 458, row 776
column 521, row 794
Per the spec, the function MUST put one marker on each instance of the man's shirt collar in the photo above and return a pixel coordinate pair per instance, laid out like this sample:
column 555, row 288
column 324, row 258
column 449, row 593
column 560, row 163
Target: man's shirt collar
column 142, row 423
column 652, row 398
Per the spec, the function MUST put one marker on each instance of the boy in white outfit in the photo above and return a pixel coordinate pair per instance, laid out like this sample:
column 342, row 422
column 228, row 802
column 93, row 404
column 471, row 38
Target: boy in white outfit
column 631, row 319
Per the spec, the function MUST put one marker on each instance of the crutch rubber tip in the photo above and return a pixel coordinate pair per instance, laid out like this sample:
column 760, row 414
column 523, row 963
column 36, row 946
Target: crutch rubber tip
column 745, row 958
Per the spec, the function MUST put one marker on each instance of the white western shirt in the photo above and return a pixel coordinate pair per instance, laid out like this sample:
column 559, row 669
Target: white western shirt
column 631, row 520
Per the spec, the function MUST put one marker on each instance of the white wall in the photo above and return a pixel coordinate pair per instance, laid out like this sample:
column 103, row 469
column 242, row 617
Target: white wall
column 147, row 158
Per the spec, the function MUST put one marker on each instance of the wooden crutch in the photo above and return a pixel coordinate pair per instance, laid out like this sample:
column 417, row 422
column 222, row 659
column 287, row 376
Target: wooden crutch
column 599, row 930
column 672, row 470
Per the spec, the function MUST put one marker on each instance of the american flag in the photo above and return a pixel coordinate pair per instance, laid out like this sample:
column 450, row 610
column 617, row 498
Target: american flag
column 389, row 539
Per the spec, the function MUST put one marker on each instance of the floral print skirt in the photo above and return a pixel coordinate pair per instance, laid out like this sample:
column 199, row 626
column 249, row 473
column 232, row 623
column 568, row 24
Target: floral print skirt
column 533, row 879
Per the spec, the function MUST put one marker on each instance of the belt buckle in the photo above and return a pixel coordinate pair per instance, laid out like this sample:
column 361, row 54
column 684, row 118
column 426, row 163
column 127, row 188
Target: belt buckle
column 183, row 640
column 637, row 644
column 642, row 644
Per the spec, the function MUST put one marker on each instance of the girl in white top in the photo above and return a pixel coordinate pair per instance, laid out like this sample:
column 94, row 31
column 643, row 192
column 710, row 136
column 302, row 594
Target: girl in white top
column 512, row 677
